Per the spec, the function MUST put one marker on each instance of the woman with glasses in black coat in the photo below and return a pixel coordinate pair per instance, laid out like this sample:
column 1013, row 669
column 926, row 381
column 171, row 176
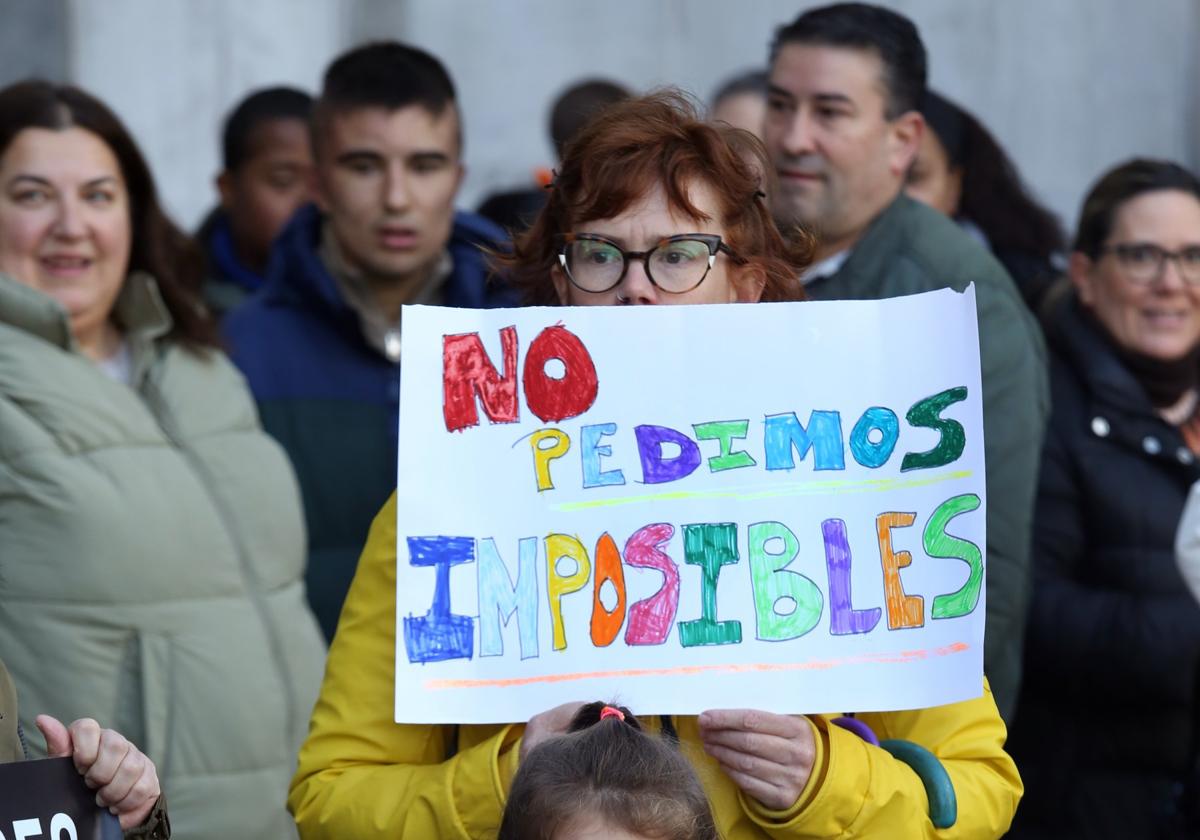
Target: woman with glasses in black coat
column 1109, row 717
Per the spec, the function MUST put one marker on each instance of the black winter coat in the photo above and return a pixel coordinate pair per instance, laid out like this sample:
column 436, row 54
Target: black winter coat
column 1109, row 715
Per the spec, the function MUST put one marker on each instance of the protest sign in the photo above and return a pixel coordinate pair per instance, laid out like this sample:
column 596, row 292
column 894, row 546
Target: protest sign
column 48, row 800
column 778, row 506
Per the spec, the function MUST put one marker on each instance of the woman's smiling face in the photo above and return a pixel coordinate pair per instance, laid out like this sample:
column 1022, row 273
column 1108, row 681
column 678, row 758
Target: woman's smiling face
column 65, row 226
column 1158, row 317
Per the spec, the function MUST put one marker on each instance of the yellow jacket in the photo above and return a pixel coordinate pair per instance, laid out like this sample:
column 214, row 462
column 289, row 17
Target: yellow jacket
column 362, row 775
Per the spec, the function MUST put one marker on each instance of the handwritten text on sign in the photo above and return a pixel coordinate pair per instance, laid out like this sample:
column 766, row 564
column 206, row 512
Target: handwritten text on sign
column 644, row 502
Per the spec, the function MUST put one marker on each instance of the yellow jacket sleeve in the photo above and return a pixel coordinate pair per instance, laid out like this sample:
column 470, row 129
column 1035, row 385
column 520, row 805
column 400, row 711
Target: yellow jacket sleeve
column 865, row 792
column 363, row 775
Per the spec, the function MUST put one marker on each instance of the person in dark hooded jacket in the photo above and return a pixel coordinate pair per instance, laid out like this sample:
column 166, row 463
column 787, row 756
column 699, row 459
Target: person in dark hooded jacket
column 1108, row 721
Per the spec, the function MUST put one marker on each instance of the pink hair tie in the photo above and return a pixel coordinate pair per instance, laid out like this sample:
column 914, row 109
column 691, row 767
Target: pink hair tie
column 611, row 711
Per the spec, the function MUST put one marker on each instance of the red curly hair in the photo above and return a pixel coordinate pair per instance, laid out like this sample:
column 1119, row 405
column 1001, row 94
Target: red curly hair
column 660, row 139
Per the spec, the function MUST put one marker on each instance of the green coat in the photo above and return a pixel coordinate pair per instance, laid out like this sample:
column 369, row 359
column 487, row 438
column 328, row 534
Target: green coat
column 909, row 249
column 151, row 561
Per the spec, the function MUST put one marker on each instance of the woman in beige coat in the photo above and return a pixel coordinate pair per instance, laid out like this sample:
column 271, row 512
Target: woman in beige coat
column 151, row 533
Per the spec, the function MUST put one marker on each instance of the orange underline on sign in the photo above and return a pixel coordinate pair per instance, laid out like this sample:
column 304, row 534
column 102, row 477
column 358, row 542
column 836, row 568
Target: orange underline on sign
column 697, row 670
column 759, row 492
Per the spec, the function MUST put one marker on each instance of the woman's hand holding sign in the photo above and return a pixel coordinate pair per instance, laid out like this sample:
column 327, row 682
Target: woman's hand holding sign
column 125, row 780
column 768, row 756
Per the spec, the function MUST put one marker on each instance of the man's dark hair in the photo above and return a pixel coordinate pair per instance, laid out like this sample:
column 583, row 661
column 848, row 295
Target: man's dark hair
column 267, row 105
column 892, row 36
column 576, row 105
column 752, row 81
column 384, row 74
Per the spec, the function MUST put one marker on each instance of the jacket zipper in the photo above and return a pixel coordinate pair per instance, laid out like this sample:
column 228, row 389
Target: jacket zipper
column 166, row 423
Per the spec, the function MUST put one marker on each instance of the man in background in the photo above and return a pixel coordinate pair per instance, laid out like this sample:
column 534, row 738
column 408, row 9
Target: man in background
column 843, row 126
column 515, row 210
column 266, row 176
column 320, row 345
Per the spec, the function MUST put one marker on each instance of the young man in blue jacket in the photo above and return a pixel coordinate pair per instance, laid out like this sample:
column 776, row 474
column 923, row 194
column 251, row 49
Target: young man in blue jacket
column 320, row 344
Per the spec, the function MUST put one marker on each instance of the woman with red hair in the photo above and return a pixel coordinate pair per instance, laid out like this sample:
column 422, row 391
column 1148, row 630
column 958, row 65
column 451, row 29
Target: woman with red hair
column 651, row 206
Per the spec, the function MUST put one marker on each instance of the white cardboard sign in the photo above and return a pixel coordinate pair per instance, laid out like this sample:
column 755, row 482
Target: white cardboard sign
column 777, row 506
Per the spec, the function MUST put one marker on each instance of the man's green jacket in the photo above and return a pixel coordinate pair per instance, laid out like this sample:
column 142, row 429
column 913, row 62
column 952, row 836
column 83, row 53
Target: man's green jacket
column 910, row 248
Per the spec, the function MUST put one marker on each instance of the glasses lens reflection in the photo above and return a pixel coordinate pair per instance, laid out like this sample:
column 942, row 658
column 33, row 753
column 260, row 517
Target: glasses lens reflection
column 595, row 266
column 1144, row 263
column 677, row 265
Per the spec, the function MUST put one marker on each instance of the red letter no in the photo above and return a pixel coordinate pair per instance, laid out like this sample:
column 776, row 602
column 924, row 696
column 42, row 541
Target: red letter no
column 554, row 399
column 467, row 371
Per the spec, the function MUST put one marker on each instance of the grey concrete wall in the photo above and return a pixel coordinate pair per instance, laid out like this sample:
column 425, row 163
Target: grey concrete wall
column 171, row 70
column 1069, row 86
column 33, row 40
column 1072, row 88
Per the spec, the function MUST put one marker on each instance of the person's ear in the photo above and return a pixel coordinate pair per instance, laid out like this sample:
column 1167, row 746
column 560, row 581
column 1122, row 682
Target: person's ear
column 224, row 185
column 562, row 286
column 904, row 141
column 1080, row 270
column 748, row 284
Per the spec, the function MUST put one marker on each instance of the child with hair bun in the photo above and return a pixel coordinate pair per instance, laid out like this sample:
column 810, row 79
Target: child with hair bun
column 606, row 778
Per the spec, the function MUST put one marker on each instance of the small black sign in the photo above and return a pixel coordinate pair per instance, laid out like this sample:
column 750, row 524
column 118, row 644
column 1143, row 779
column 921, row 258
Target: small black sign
column 48, row 800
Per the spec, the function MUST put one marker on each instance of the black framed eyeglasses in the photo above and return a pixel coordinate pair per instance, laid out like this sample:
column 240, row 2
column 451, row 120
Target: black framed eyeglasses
column 675, row 265
column 1143, row 262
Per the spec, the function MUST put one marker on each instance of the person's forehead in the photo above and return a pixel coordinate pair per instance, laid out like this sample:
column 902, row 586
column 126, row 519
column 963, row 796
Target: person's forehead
column 739, row 103
column 810, row 69
column 407, row 130
column 592, row 826
column 71, row 153
column 654, row 210
column 1159, row 212
column 278, row 132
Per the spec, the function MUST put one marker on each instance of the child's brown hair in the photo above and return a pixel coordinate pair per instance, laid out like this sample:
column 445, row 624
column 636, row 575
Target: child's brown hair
column 609, row 767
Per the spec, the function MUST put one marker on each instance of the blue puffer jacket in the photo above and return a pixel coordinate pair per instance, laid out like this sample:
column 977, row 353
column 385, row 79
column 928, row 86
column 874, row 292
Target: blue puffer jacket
column 331, row 399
